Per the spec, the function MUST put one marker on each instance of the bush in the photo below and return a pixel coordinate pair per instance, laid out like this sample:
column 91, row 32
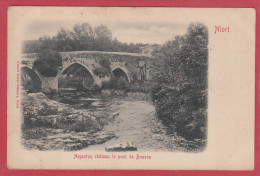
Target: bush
column 184, row 109
column 105, row 68
column 28, row 115
column 141, row 86
column 180, row 90
column 48, row 62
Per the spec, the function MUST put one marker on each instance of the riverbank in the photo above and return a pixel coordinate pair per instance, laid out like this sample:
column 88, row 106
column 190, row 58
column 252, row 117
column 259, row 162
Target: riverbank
column 51, row 125
column 135, row 96
column 59, row 139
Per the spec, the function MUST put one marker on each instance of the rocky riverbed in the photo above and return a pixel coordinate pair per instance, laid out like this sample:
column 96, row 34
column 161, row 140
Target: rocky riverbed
column 50, row 125
column 59, row 139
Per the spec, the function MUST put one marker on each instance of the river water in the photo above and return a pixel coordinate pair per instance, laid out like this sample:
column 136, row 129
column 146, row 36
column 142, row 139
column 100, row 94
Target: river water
column 137, row 122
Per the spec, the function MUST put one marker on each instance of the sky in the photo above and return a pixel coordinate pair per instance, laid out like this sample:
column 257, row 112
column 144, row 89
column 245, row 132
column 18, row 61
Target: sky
column 135, row 32
column 136, row 25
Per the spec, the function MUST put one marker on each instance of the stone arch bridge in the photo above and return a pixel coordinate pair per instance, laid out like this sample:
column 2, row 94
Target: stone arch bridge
column 134, row 66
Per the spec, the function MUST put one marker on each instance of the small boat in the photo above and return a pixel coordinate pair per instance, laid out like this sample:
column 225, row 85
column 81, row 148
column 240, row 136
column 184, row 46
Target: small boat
column 123, row 147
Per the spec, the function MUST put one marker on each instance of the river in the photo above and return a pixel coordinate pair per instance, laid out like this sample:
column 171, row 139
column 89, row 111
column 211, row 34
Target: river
column 137, row 122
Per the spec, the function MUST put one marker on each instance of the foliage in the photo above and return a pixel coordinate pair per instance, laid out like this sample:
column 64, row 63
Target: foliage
column 29, row 87
column 48, row 62
column 99, row 71
column 105, row 63
column 180, row 93
column 120, row 83
column 141, row 86
column 116, row 83
column 83, row 37
column 105, row 68
column 103, row 38
column 35, row 46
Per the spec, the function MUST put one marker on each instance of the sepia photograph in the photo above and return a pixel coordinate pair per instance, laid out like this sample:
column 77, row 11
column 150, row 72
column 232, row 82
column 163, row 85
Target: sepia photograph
column 86, row 86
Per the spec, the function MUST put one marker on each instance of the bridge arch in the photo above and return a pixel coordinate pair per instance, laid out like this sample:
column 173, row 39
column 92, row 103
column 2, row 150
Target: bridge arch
column 30, row 80
column 84, row 75
column 121, row 71
column 120, row 79
column 70, row 64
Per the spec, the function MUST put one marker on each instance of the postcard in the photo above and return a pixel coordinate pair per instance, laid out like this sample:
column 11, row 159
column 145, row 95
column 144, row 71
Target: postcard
column 143, row 88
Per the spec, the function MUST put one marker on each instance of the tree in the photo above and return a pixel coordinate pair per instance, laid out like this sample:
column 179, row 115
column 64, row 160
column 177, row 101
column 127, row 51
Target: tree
column 48, row 62
column 64, row 40
column 46, row 43
column 30, row 46
column 103, row 38
column 180, row 94
column 83, row 36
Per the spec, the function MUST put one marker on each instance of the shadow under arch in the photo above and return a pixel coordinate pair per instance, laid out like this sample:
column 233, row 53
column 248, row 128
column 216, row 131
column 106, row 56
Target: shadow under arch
column 30, row 80
column 75, row 75
column 120, row 79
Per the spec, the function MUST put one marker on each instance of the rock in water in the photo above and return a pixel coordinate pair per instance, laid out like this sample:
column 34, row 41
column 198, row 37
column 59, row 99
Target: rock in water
column 123, row 147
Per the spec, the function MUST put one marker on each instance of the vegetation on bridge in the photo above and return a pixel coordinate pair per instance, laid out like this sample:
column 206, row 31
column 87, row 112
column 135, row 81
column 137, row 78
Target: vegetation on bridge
column 48, row 62
column 104, row 70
